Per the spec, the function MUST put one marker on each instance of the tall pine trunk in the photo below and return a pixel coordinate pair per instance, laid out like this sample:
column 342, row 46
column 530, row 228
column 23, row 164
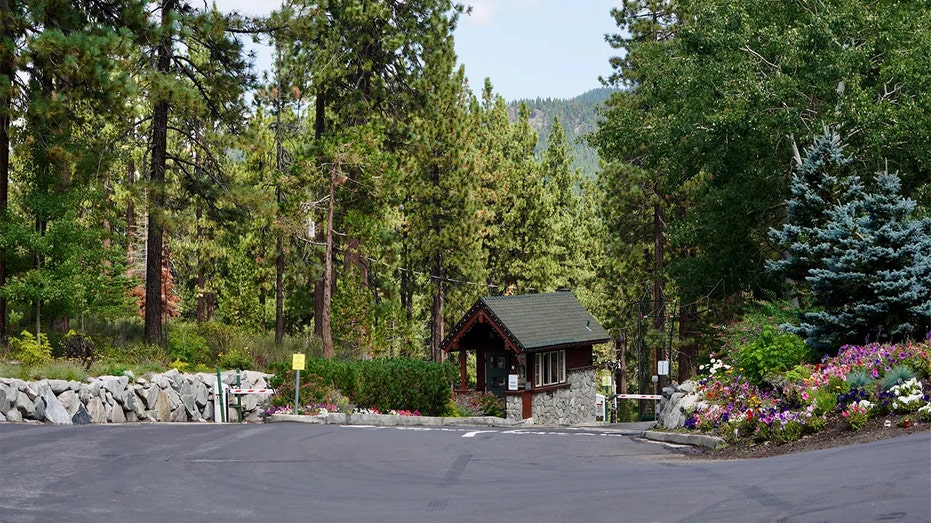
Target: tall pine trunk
column 319, row 285
column 7, row 65
column 659, row 306
column 327, row 298
column 156, row 192
column 436, row 312
column 279, row 244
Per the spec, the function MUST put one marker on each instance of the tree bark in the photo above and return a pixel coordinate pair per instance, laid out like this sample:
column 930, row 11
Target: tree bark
column 279, row 244
column 325, row 333
column 7, row 65
column 319, row 122
column 201, row 272
column 658, row 283
column 688, row 354
column 156, row 192
column 436, row 313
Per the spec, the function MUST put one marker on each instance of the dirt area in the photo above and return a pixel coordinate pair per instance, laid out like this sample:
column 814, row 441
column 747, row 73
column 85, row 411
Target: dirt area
column 835, row 434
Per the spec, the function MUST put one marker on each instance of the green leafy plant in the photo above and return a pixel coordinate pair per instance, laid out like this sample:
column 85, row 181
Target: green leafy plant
column 857, row 413
column 187, row 345
column 29, row 350
column 825, row 401
column 383, row 384
column 772, row 350
column 235, row 359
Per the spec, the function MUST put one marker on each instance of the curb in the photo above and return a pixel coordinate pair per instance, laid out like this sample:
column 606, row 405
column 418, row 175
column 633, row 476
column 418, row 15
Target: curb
column 695, row 440
column 388, row 420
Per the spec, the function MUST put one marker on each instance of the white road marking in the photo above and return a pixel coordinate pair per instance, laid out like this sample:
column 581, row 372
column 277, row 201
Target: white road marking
column 474, row 432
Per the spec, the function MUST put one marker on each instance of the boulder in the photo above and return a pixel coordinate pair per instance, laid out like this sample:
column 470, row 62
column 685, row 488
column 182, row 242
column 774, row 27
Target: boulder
column 25, row 405
column 115, row 385
column 86, row 392
column 55, row 412
column 188, row 401
column 59, row 386
column 139, row 405
column 32, row 389
column 128, row 400
column 117, row 415
column 174, row 377
column 40, row 410
column 207, row 413
column 201, row 394
column 97, row 411
column 162, row 382
column 179, row 414
column 81, row 417
column 69, row 400
column 4, row 399
column 14, row 415
column 174, row 397
column 150, row 396
column 162, row 407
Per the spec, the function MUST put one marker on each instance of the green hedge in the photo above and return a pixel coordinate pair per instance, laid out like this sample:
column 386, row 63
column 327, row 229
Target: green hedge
column 386, row 383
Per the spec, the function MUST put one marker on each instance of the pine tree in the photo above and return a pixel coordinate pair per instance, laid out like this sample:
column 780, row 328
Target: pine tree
column 62, row 72
column 860, row 251
column 441, row 213
column 199, row 76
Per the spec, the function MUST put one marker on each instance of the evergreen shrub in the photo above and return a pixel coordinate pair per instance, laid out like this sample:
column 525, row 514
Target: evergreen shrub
column 384, row 384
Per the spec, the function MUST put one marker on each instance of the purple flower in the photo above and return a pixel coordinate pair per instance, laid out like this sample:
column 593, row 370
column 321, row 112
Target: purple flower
column 902, row 356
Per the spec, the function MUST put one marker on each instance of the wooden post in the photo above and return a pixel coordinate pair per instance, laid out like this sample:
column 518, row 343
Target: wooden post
column 463, row 375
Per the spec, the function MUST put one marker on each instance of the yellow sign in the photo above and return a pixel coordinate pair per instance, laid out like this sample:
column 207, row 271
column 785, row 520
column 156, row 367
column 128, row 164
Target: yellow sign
column 297, row 362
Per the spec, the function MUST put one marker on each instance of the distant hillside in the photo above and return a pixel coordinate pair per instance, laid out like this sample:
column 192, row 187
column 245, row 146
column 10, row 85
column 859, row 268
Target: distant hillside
column 578, row 117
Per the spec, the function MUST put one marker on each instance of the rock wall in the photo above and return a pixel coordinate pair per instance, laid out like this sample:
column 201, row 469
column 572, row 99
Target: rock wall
column 567, row 405
column 677, row 402
column 513, row 407
column 170, row 396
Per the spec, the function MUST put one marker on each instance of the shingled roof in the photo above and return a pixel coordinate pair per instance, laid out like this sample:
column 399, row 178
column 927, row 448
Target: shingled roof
column 535, row 321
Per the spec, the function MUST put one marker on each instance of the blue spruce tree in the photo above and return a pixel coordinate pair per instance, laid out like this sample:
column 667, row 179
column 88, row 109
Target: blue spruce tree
column 863, row 256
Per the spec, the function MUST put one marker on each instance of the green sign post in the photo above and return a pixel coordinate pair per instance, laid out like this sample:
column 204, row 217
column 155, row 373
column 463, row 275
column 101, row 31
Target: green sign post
column 297, row 363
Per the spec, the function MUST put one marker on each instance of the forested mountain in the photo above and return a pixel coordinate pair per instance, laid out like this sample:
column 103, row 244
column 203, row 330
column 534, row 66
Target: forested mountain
column 579, row 118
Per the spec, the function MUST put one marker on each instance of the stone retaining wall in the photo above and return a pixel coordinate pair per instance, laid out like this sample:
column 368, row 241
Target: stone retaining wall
column 567, row 405
column 170, row 396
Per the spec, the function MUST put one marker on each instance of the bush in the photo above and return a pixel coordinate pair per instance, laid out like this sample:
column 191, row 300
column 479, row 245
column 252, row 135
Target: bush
column 29, row 350
column 477, row 403
column 187, row 345
column 235, row 359
column 314, row 392
column 384, row 384
column 771, row 351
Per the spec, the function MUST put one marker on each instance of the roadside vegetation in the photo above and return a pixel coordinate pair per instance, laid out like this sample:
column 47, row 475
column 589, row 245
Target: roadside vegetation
column 760, row 388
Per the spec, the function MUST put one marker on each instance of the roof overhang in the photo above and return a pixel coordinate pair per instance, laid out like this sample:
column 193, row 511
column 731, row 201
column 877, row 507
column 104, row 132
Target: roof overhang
column 479, row 315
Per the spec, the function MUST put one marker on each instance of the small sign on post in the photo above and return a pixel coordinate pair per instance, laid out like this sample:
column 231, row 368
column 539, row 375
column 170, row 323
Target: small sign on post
column 297, row 363
column 663, row 367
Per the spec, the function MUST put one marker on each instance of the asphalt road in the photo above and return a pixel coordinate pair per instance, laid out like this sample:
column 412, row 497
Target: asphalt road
column 298, row 472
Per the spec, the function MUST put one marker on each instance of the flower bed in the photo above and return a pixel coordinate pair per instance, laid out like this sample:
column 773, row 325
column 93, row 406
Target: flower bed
column 860, row 383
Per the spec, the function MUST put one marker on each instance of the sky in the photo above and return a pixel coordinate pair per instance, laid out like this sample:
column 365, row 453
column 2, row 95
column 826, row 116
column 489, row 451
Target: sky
column 529, row 48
